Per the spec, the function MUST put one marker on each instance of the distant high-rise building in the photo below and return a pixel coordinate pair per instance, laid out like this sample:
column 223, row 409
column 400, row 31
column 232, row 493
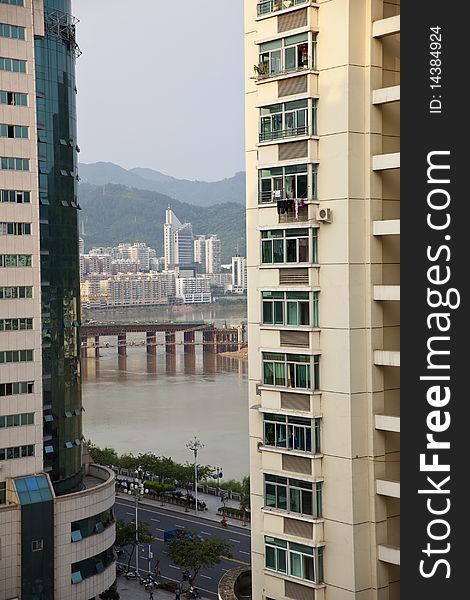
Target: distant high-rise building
column 81, row 245
column 213, row 254
column 57, row 527
column 200, row 252
column 238, row 273
column 178, row 241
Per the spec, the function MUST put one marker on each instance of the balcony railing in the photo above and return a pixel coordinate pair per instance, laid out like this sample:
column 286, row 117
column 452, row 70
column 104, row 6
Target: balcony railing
column 263, row 71
column 280, row 134
column 269, row 6
column 278, row 196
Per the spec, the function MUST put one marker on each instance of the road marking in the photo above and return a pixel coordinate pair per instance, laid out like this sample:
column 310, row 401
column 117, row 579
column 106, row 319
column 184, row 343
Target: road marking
column 179, row 527
column 165, row 514
column 206, row 577
column 240, row 562
column 225, row 570
column 156, row 520
column 132, row 514
column 174, row 567
column 243, row 552
column 236, row 541
column 205, row 532
column 158, row 529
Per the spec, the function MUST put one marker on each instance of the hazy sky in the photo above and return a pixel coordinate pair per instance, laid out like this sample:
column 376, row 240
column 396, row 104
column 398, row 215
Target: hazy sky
column 160, row 85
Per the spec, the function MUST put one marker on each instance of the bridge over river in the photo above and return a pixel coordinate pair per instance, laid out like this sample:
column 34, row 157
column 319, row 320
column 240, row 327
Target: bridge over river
column 170, row 334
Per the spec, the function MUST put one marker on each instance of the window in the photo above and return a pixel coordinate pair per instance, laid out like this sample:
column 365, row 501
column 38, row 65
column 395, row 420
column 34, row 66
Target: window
column 11, row 292
column 15, row 356
column 12, row 31
column 91, row 566
column 13, row 65
column 13, row 98
column 36, row 545
column 15, row 196
column 291, row 370
column 14, row 164
column 290, row 308
column 90, row 526
column 16, row 452
column 267, row 6
column 17, row 387
column 68, row 444
column 294, row 559
column 287, row 183
column 292, row 433
column 287, row 55
column 13, row 2
column 3, row 493
column 15, row 324
column 293, row 495
column 15, row 260
column 15, row 228
column 281, row 246
column 288, row 119
column 14, row 131
column 77, row 577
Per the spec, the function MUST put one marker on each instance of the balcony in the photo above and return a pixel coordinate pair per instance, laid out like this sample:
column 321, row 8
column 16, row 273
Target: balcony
column 387, row 487
column 282, row 134
column 387, row 292
column 263, row 72
column 386, row 94
column 387, row 423
column 268, row 7
column 387, row 358
column 383, row 162
column 390, row 227
column 293, row 214
column 384, row 27
column 389, row 554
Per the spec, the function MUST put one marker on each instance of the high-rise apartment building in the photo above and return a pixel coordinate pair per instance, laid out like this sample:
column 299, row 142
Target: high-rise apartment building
column 322, row 160
column 56, row 522
column 213, row 254
column 239, row 273
column 200, row 252
column 178, row 241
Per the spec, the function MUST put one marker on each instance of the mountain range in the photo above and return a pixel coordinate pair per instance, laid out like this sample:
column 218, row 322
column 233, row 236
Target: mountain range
column 201, row 193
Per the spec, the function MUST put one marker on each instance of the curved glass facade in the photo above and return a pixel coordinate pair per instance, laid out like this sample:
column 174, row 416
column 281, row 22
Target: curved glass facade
column 60, row 280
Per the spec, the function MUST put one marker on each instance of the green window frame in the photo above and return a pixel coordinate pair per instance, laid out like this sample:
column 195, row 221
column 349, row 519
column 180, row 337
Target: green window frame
column 15, row 356
column 16, row 324
column 13, row 292
column 13, row 2
column 266, row 7
column 11, row 228
column 291, row 370
column 293, row 309
column 15, row 32
column 288, row 119
column 13, row 65
column 288, row 183
column 301, row 434
column 16, row 387
column 13, row 98
column 15, row 260
column 289, row 246
column 14, row 452
column 297, row 560
column 10, row 163
column 286, row 55
column 293, row 495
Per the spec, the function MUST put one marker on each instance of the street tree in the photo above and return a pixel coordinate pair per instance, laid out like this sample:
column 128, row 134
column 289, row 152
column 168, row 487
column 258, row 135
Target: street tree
column 245, row 497
column 125, row 536
column 195, row 554
column 110, row 594
column 103, row 456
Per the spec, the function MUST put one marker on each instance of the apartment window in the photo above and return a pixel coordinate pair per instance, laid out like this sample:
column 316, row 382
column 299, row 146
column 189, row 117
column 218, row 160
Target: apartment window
column 292, row 433
column 15, row 324
column 15, row 356
column 12, row 64
column 7, row 163
column 37, row 545
column 14, row 32
column 288, row 119
column 16, row 452
column 15, row 228
column 14, row 131
column 92, row 525
column 281, row 246
column 268, row 6
column 290, row 308
column 16, row 420
column 17, row 387
column 13, row 2
column 3, row 495
column 287, row 183
column 15, row 260
column 13, row 98
column 13, row 196
column 291, row 370
column 20, row 291
column 287, row 55
column 293, row 495
column 296, row 560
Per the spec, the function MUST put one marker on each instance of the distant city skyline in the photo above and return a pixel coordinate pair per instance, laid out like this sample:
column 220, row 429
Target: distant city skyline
column 178, row 112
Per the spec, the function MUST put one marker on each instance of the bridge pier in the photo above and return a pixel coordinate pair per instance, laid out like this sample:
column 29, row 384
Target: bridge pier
column 122, row 344
column 151, row 342
column 170, row 342
column 189, row 341
column 208, row 340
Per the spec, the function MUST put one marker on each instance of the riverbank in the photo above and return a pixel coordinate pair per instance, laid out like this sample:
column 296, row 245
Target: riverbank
column 241, row 354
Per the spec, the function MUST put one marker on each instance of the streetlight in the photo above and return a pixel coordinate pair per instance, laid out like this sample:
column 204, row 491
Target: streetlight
column 138, row 491
column 219, row 474
column 194, row 445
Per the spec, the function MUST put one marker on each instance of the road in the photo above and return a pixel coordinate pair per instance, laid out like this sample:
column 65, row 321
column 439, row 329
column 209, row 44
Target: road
column 159, row 520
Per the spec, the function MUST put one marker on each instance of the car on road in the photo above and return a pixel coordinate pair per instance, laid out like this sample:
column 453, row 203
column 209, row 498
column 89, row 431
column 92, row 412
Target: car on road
column 179, row 534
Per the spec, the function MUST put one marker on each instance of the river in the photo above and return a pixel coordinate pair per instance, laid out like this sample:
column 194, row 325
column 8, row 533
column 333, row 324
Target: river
column 144, row 403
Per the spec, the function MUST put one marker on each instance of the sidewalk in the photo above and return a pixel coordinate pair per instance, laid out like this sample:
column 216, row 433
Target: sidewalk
column 132, row 590
column 211, row 514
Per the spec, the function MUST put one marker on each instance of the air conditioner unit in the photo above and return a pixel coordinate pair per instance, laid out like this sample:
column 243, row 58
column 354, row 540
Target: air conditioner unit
column 324, row 215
